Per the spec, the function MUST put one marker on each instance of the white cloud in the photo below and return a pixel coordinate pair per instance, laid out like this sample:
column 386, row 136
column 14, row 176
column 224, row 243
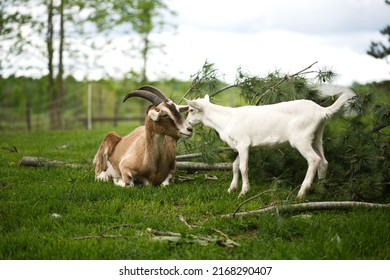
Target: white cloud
column 262, row 36
column 262, row 52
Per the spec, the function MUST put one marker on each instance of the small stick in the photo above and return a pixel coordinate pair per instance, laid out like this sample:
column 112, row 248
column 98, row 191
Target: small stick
column 162, row 233
column 247, row 200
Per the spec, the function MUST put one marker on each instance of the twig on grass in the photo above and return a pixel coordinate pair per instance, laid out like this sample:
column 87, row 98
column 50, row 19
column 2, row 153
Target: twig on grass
column 103, row 233
column 183, row 220
column 155, row 232
column 249, row 199
column 175, row 237
column 309, row 206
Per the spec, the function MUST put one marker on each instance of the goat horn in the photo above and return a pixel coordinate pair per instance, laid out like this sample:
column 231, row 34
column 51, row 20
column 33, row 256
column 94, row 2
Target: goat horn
column 156, row 100
column 156, row 91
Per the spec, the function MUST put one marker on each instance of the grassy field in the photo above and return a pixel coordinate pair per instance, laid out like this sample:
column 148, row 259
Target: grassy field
column 62, row 213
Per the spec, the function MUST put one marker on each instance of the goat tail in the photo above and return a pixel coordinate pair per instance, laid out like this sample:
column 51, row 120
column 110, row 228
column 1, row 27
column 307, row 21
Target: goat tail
column 339, row 103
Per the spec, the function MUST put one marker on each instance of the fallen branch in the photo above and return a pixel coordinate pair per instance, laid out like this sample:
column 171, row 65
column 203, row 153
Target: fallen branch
column 183, row 220
column 184, row 165
column 155, row 232
column 188, row 156
column 202, row 166
column 198, row 155
column 103, row 233
column 175, row 237
column 247, row 200
column 39, row 162
column 309, row 206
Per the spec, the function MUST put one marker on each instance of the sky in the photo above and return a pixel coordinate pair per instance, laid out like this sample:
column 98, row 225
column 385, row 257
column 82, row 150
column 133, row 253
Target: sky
column 262, row 36
column 258, row 36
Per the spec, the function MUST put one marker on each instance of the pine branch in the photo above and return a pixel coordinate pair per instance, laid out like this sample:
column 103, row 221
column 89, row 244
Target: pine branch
column 224, row 88
column 286, row 77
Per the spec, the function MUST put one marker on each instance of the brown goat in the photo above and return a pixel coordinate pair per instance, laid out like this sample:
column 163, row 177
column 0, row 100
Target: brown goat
column 148, row 154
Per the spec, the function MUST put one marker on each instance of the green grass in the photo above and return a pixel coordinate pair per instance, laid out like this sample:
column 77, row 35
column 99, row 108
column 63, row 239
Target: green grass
column 30, row 196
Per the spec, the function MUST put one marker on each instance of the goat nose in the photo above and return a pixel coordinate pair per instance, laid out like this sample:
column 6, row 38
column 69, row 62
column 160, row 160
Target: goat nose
column 189, row 129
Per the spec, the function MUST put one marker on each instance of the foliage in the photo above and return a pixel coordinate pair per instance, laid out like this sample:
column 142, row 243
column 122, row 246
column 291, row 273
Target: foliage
column 142, row 17
column 378, row 49
column 356, row 144
column 45, row 213
column 60, row 37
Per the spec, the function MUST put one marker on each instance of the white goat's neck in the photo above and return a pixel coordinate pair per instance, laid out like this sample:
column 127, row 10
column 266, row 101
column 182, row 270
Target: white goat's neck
column 216, row 116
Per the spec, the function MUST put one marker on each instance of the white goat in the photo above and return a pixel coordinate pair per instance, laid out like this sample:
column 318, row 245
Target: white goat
column 299, row 122
column 148, row 154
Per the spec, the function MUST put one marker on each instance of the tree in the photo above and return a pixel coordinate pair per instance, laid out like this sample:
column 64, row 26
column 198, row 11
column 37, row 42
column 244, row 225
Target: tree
column 50, row 54
column 144, row 17
column 378, row 49
column 33, row 38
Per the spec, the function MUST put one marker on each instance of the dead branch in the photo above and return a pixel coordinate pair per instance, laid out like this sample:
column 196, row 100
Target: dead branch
column 247, row 200
column 202, row 166
column 198, row 155
column 188, row 156
column 309, row 206
column 184, row 165
column 103, row 233
column 155, row 232
column 183, row 220
column 174, row 237
column 39, row 162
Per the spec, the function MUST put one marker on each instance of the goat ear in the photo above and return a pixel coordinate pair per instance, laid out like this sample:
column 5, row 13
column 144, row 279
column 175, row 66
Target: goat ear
column 194, row 104
column 154, row 115
column 182, row 108
column 207, row 97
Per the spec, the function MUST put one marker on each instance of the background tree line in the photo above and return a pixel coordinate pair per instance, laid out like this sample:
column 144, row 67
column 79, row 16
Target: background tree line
column 47, row 34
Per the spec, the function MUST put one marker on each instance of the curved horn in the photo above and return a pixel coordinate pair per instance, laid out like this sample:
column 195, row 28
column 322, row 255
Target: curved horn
column 156, row 91
column 156, row 100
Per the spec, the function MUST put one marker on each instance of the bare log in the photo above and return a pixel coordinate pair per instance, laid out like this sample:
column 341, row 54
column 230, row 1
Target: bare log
column 309, row 206
column 198, row 155
column 202, row 166
column 39, row 162
column 188, row 156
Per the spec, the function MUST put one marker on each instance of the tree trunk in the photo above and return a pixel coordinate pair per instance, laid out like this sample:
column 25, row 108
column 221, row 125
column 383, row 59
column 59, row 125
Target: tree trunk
column 60, row 84
column 28, row 115
column 50, row 51
column 144, row 77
